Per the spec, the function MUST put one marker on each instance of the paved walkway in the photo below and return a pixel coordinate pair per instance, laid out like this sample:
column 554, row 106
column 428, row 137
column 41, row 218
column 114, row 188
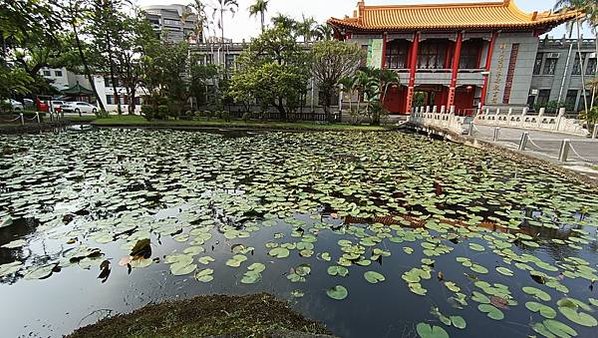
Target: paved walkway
column 583, row 154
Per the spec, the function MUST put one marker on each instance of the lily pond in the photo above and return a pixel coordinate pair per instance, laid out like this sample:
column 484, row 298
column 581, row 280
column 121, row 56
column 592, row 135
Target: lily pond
column 375, row 234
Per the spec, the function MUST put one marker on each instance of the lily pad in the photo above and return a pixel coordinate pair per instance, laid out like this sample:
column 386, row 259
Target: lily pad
column 374, row 277
column 425, row 330
column 337, row 292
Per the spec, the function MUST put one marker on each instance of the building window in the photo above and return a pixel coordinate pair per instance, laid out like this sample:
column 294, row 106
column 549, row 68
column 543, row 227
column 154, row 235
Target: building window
column 230, row 61
column 396, row 54
column 470, row 55
column 47, row 73
column 550, row 66
column 58, row 73
column 543, row 97
column 538, row 64
column 571, row 99
column 431, row 55
column 109, row 99
column 591, row 67
column 108, row 82
column 175, row 23
column 577, row 64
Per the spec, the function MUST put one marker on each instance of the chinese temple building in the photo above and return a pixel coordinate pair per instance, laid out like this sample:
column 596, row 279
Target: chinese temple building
column 459, row 57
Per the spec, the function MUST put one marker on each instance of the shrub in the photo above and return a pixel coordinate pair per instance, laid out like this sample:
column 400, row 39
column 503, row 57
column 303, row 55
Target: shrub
column 163, row 112
column 148, row 112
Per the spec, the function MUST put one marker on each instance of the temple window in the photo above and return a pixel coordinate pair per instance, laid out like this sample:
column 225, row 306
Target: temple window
column 396, row 54
column 470, row 55
column 432, row 54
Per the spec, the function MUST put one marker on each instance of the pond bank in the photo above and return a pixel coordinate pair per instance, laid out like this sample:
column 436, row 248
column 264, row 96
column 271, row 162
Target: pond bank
column 583, row 174
column 128, row 121
column 218, row 315
column 32, row 127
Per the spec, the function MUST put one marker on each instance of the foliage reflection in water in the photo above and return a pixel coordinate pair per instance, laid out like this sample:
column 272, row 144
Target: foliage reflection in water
column 375, row 234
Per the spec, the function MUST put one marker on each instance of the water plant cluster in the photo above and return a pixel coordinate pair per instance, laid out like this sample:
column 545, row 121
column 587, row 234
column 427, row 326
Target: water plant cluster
column 478, row 236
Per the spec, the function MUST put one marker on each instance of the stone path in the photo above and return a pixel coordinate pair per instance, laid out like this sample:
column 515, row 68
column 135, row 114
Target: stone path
column 582, row 156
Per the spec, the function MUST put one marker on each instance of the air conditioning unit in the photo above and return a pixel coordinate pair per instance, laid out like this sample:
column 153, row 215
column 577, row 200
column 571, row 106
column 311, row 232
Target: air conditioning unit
column 554, row 55
column 592, row 55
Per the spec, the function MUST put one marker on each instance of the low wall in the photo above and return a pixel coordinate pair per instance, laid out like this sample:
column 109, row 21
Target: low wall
column 522, row 120
column 447, row 121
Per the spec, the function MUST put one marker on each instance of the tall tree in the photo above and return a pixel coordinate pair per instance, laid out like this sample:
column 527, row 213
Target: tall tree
column 259, row 7
column 323, row 32
column 74, row 13
column 273, row 71
column 307, row 28
column 107, row 27
column 332, row 61
column 30, row 40
column 225, row 6
column 583, row 6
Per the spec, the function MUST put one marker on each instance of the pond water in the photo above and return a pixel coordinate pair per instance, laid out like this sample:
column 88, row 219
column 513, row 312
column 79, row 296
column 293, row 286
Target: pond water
column 377, row 234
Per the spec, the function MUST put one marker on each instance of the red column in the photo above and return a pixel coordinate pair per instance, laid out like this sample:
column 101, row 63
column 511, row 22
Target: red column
column 412, row 71
column 455, row 71
column 384, row 38
column 488, row 65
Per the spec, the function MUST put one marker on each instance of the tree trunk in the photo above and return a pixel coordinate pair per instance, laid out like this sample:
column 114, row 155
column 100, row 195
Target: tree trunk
column 86, row 67
column 222, row 33
column 583, row 71
column 263, row 19
column 596, row 70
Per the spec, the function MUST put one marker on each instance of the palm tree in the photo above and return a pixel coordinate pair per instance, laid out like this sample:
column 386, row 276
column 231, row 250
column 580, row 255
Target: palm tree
column 584, row 6
column 224, row 6
column 592, row 18
column 198, row 9
column 388, row 78
column 323, row 32
column 284, row 21
column 259, row 7
column 347, row 84
column 306, row 28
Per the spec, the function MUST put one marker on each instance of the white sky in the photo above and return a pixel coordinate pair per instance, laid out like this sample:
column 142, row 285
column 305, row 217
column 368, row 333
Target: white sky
column 242, row 27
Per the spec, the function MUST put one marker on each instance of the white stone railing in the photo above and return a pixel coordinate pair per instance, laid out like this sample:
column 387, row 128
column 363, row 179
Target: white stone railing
column 522, row 120
column 443, row 120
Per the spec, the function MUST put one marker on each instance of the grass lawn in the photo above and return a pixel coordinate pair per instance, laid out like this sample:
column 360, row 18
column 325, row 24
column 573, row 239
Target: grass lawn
column 132, row 120
column 84, row 118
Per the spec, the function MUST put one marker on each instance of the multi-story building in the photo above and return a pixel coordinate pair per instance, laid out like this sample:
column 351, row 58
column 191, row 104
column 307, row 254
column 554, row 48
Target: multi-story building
column 175, row 22
column 457, row 56
column 560, row 72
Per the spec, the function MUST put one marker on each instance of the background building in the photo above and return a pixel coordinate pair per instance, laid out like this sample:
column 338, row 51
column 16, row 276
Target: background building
column 458, row 56
column 174, row 22
column 557, row 73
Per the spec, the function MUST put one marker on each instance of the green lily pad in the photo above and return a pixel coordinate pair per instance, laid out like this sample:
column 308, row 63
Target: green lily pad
column 182, row 268
column 532, row 291
column 425, row 330
column 337, row 270
column 545, row 311
column 279, row 252
column 204, row 275
column 337, row 292
column 374, row 277
column 491, row 311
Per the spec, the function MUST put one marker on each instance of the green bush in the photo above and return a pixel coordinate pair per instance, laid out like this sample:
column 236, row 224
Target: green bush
column 163, row 112
column 148, row 112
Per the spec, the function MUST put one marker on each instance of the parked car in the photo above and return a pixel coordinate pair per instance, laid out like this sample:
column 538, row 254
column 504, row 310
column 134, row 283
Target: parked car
column 16, row 105
column 79, row 107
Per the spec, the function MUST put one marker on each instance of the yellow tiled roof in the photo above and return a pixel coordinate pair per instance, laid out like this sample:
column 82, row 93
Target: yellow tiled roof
column 502, row 15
